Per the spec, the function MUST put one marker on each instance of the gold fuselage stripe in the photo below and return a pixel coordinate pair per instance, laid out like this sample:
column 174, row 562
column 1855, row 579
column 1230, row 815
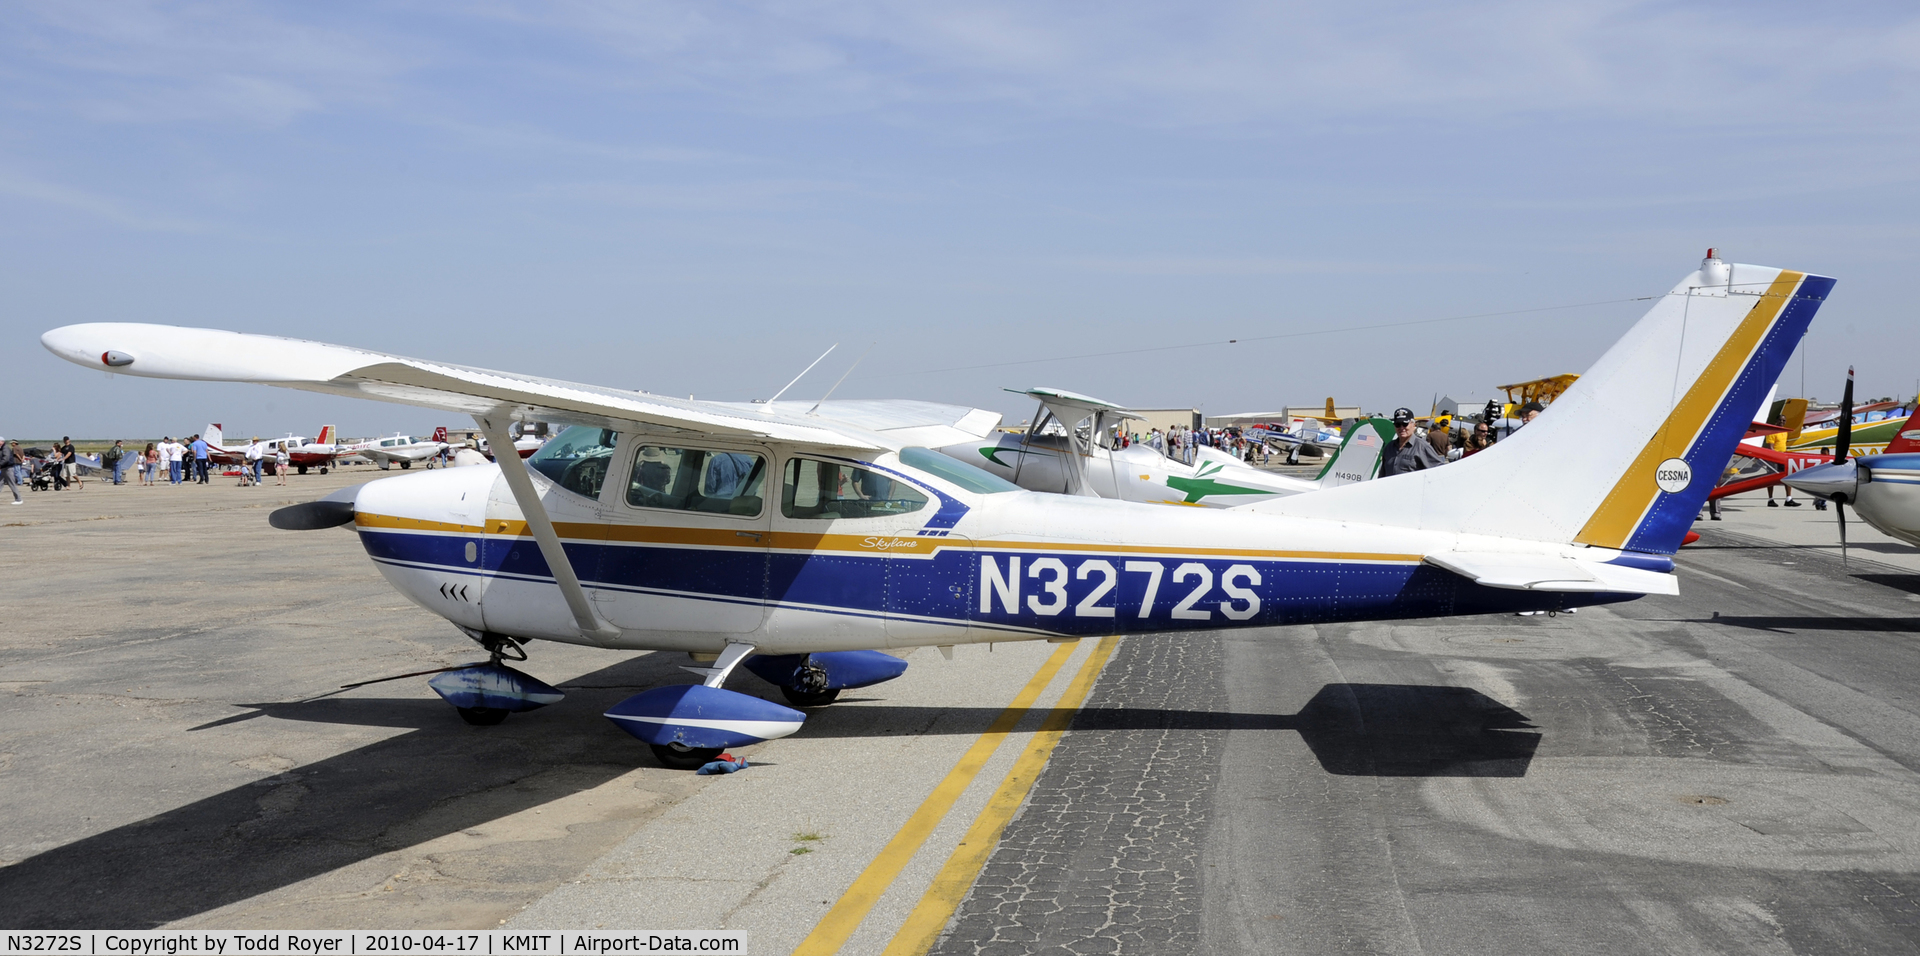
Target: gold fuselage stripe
column 845, row 543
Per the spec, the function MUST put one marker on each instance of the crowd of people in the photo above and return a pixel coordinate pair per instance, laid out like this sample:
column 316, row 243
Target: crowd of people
column 1179, row 443
column 175, row 462
column 1410, row 450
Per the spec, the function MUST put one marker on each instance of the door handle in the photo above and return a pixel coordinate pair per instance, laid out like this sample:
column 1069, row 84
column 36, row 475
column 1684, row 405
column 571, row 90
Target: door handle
column 748, row 534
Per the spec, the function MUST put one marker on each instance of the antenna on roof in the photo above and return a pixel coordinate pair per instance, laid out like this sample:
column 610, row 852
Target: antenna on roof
column 803, row 374
column 843, row 377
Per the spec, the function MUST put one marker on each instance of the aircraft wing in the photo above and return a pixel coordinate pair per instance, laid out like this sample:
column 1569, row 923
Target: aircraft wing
column 1545, row 572
column 1070, row 407
column 908, row 422
column 164, row 351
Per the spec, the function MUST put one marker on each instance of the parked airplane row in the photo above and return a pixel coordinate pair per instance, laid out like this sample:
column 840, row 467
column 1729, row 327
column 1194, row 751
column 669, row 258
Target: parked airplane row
column 325, row 451
column 806, row 546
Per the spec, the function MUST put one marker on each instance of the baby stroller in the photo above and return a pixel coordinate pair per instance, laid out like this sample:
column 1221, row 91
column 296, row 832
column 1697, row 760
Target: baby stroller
column 44, row 474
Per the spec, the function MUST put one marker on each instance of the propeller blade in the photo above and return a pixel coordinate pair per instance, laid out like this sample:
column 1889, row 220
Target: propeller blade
column 1844, row 442
column 312, row 515
column 1840, row 511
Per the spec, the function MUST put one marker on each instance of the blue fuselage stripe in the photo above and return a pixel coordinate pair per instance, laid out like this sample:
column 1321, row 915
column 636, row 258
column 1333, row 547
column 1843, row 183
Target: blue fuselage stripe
column 1024, row 591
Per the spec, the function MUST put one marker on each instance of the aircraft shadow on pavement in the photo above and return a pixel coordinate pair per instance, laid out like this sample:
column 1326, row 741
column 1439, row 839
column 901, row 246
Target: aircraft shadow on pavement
column 1909, row 583
column 322, row 816
column 1837, row 622
column 1372, row 730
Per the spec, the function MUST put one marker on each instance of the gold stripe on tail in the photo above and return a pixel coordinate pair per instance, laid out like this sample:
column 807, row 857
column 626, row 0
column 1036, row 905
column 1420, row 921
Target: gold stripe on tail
column 1613, row 523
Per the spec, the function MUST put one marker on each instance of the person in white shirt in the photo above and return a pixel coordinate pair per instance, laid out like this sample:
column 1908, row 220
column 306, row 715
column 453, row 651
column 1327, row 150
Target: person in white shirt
column 172, row 453
column 250, row 471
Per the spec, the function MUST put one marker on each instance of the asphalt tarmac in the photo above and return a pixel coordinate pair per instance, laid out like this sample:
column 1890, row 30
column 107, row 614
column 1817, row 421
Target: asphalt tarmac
column 1731, row 770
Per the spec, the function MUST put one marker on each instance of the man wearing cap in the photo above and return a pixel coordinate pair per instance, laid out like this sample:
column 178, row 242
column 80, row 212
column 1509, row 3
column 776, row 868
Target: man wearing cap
column 1406, row 452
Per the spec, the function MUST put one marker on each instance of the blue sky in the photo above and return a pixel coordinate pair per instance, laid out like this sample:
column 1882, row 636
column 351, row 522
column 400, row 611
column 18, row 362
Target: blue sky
column 700, row 198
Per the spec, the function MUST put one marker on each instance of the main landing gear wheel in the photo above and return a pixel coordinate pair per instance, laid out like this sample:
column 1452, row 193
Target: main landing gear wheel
column 405, row 465
column 801, row 698
column 809, row 687
column 303, row 469
column 482, row 716
column 676, row 757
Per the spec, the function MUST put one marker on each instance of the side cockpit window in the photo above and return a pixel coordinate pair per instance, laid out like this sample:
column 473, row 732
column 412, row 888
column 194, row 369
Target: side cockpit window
column 697, row 479
column 576, row 459
column 827, row 490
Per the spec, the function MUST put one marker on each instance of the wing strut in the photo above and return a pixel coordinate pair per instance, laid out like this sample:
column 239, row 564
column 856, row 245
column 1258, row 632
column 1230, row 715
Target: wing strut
column 528, row 498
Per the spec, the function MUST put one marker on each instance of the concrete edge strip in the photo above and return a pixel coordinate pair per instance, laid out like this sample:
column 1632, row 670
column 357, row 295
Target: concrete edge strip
column 924, row 925
column 838, row 925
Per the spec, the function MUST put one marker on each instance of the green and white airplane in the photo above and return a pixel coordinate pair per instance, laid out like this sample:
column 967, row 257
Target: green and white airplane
column 1080, row 459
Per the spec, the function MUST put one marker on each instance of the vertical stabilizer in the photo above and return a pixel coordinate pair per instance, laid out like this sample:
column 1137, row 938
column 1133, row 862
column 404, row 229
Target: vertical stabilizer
column 326, row 436
column 1626, row 456
column 1907, row 440
column 1359, row 456
column 211, row 434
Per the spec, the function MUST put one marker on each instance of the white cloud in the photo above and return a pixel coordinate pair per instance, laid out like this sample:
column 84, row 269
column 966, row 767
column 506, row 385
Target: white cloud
column 1172, row 265
column 217, row 61
column 22, row 186
column 1702, row 63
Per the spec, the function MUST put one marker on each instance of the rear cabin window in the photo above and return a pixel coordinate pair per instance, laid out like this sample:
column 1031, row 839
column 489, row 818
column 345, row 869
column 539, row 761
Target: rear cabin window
column 697, row 479
column 827, row 490
column 576, row 459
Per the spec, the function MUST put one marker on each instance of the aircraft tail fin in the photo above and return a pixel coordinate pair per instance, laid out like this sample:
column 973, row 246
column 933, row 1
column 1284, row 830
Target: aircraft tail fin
column 1359, row 456
column 1625, row 457
column 440, row 434
column 1907, row 440
column 326, row 436
column 212, row 436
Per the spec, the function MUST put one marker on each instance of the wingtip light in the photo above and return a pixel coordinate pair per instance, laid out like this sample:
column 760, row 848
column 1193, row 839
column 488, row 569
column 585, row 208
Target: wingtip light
column 113, row 359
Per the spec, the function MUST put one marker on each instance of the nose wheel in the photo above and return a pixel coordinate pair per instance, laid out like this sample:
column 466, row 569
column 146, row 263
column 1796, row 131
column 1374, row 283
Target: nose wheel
column 482, row 716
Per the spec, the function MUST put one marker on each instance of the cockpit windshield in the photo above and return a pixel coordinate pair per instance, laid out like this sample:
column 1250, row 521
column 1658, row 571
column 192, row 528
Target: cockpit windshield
column 576, row 459
column 958, row 472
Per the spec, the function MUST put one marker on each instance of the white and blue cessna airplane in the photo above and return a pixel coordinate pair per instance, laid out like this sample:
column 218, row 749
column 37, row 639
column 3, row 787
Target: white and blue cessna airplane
column 803, row 544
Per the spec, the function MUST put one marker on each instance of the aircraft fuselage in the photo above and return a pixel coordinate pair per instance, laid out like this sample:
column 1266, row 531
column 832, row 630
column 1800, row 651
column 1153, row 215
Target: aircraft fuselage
column 964, row 567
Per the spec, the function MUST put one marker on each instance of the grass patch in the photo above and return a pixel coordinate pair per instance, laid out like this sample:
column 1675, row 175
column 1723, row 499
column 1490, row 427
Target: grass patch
column 806, row 839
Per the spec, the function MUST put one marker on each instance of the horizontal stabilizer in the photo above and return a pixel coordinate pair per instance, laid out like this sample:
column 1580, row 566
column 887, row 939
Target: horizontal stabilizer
column 1545, row 572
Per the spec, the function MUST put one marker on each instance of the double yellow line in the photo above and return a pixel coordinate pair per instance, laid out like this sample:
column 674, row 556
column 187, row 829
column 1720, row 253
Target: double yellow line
column 923, row 925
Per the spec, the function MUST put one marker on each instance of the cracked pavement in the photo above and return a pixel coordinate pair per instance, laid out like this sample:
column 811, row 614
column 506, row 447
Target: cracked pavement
column 1729, row 771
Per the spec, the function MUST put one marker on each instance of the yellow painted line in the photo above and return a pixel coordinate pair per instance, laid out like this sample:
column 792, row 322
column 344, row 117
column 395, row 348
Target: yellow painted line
column 838, row 925
column 923, row 925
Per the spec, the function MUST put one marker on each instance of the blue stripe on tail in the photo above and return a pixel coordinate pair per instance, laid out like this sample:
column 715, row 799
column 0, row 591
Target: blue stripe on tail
column 1667, row 522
